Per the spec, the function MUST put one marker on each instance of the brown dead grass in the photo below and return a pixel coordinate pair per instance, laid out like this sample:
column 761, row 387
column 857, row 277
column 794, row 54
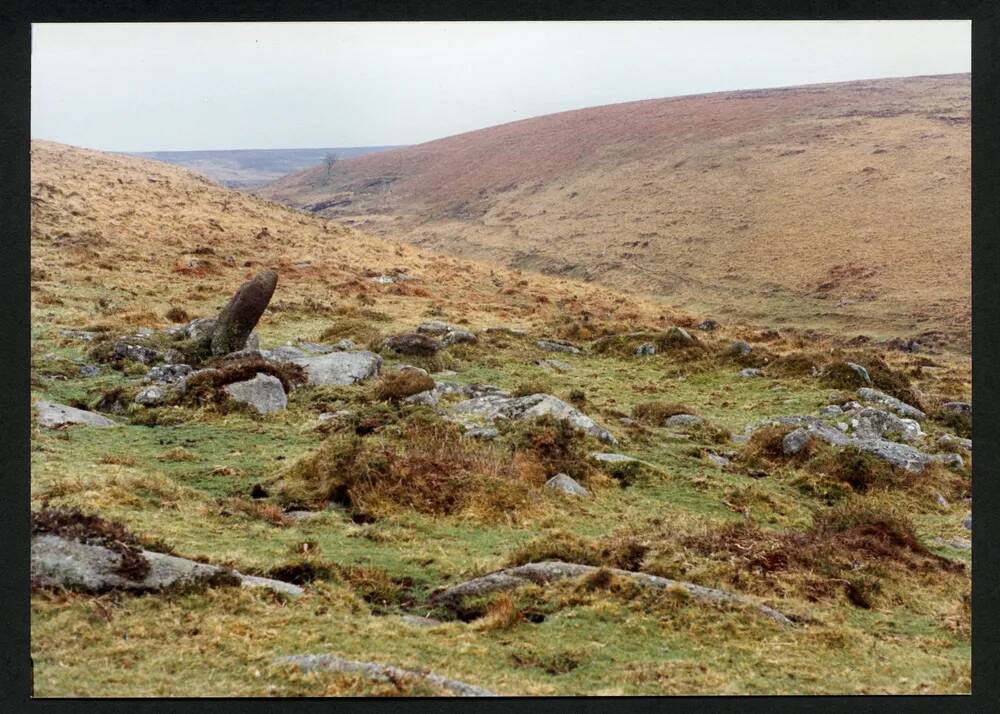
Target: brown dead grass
column 395, row 386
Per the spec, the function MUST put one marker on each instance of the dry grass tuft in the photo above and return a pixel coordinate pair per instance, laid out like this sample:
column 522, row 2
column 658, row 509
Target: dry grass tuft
column 655, row 413
column 502, row 613
column 623, row 552
column 395, row 386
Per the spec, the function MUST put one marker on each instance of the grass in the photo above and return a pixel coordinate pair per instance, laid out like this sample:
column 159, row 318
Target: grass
column 428, row 508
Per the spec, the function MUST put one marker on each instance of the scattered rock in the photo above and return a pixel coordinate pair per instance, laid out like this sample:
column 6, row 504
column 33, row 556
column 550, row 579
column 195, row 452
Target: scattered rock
column 750, row 372
column 957, row 407
column 151, row 396
column 428, row 398
column 83, row 335
column 128, row 349
column 860, row 371
column 565, row 484
column 168, row 373
column 264, row 393
column 434, row 327
column 303, row 515
column 558, row 346
column 867, row 394
column 717, row 459
column 831, row 410
column 382, row 672
column 967, row 523
column 200, row 329
column 53, row 416
column 89, row 370
column 869, row 423
column 337, row 368
column 489, row 407
column 486, row 433
column 458, row 337
column 739, row 348
column 708, row 325
column 950, row 441
column 61, row 562
column 549, row 571
column 240, row 316
column 553, row 364
column 678, row 337
column 683, row 420
column 646, row 349
column 795, row 441
column 412, row 343
column 419, row 621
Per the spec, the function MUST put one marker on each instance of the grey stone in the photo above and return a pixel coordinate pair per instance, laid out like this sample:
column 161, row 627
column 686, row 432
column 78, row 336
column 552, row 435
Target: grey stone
column 900, row 455
column 345, row 345
column 264, row 393
column 739, row 348
column 90, row 370
column 419, row 621
column 253, row 341
column 717, row 459
column 490, row 407
column 303, row 515
column 565, row 484
column 339, row 368
column 646, row 349
column 957, row 407
column 953, row 461
column 868, row 394
column 554, row 364
column 795, row 441
column 240, row 315
column 130, row 349
column 382, row 673
column 748, row 372
column 967, row 523
column 61, row 562
column 200, row 329
column 151, row 396
column 52, row 416
column 168, row 373
column 550, row 571
column 831, row 410
column 869, row 423
column 678, row 336
column 558, row 346
column 428, row 398
column 708, row 325
column 860, row 371
column 83, row 335
column 434, row 327
column 682, row 420
column 949, row 441
column 486, row 433
column 284, row 353
column 456, row 336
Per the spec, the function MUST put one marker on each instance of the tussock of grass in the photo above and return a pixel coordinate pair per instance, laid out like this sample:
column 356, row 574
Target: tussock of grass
column 205, row 387
column 532, row 386
column 395, row 386
column 655, row 413
column 432, row 469
column 621, row 551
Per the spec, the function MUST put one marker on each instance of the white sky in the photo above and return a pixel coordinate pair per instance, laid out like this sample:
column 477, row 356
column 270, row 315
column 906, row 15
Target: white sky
column 173, row 86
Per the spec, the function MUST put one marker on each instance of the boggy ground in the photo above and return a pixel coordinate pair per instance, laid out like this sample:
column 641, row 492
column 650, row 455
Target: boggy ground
column 880, row 604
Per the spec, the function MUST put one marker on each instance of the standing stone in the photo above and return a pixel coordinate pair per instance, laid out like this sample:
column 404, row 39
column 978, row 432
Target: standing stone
column 240, row 316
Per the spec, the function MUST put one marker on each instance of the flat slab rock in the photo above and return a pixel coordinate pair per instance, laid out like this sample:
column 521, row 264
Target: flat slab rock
column 491, row 407
column 263, row 393
column 867, row 394
column 61, row 562
column 53, row 416
column 335, row 368
column 382, row 673
column 552, row 570
column 566, row 484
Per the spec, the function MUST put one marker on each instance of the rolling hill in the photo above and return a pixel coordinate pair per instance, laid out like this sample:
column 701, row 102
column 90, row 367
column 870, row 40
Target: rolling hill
column 842, row 206
column 246, row 168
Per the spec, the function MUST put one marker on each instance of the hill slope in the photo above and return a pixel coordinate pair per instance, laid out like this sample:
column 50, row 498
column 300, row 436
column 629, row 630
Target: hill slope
column 246, row 168
column 372, row 504
column 839, row 205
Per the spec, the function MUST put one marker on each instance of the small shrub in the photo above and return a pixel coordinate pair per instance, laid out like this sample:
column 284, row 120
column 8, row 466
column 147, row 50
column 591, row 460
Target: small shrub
column 794, row 364
column 860, row 470
column 622, row 552
column 535, row 386
column 765, row 444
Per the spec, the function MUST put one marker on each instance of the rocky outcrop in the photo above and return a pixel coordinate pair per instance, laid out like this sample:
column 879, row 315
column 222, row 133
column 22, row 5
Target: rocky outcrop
column 558, row 346
column 490, row 407
column 336, row 368
column 382, row 673
column 868, row 423
column 53, row 416
column 553, row 570
column 66, row 563
column 867, row 394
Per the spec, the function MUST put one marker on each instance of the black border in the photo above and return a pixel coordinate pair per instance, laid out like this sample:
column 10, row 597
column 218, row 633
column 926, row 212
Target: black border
column 15, row 19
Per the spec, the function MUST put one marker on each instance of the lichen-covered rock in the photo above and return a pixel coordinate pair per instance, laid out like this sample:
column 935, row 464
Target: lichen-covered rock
column 860, row 371
column 739, row 348
column 263, row 393
column 240, row 316
column 53, row 416
column 869, row 423
column 867, row 394
column 489, row 407
column 950, row 441
column 65, row 563
column 151, row 396
column 646, row 349
column 128, row 348
column 565, row 484
column 457, row 336
column 957, row 407
column 558, row 346
column 168, row 373
column 795, row 441
column 682, row 421
column 708, row 325
column 748, row 372
column 412, row 343
column 336, row 368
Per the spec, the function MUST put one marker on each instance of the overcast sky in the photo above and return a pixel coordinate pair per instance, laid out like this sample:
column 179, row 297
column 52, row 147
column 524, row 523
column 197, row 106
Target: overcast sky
column 147, row 87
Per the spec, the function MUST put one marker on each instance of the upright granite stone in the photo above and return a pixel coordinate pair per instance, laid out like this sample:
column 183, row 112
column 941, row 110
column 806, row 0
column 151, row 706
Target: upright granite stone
column 237, row 320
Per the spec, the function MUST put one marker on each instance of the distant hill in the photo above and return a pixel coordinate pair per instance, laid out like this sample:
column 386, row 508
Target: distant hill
column 246, row 168
column 842, row 206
